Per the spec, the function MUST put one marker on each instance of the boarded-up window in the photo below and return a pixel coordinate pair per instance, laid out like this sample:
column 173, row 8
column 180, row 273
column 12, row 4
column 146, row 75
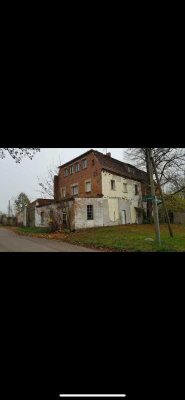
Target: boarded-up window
column 64, row 192
column 42, row 218
column 90, row 215
column 88, row 187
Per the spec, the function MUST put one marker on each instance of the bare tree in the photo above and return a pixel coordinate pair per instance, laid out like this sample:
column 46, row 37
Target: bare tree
column 18, row 153
column 46, row 184
column 170, row 162
column 178, row 185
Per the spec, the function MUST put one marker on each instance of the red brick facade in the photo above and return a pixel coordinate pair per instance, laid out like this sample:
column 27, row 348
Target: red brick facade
column 75, row 182
column 90, row 174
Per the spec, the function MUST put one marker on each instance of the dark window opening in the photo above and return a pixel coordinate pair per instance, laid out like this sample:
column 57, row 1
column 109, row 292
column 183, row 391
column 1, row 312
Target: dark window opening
column 113, row 185
column 64, row 219
column 90, row 215
column 136, row 190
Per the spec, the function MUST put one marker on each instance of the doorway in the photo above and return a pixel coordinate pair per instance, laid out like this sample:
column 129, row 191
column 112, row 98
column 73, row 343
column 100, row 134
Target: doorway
column 123, row 217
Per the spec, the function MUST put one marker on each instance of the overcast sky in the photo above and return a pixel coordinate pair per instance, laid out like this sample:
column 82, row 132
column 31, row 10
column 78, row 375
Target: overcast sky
column 17, row 178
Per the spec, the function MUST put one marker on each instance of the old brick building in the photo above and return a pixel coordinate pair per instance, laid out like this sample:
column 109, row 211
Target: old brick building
column 93, row 190
column 102, row 190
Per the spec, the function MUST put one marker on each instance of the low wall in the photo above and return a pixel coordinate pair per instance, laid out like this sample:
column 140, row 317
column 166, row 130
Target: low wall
column 9, row 221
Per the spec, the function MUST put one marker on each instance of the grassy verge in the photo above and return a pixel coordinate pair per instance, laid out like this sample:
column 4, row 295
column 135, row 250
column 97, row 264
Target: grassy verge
column 132, row 238
column 33, row 230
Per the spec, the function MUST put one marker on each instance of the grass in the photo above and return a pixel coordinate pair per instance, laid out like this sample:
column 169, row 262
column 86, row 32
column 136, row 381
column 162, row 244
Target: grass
column 33, row 230
column 119, row 238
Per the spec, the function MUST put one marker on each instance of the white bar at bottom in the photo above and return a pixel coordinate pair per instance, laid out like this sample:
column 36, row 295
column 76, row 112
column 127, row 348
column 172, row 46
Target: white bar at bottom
column 93, row 395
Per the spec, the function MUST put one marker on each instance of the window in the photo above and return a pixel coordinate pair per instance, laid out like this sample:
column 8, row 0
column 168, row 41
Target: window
column 71, row 170
column 66, row 172
column 64, row 218
column 63, row 192
column 88, row 187
column 84, row 164
column 90, row 213
column 74, row 190
column 42, row 218
column 77, row 167
column 113, row 185
column 93, row 162
column 125, row 188
column 136, row 190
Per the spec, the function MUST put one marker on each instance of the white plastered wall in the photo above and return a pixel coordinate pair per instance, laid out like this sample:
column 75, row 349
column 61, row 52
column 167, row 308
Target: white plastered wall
column 130, row 200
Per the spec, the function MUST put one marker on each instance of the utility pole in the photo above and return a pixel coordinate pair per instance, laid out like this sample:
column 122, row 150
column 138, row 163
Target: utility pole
column 152, row 186
column 162, row 198
column 149, row 209
column 9, row 208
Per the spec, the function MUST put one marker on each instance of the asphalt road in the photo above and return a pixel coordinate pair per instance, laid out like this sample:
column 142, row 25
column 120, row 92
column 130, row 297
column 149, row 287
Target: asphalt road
column 11, row 242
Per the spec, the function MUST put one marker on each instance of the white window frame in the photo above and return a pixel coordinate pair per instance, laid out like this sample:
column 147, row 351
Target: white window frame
column 72, row 190
column 84, row 163
column 66, row 172
column 77, row 167
column 71, row 170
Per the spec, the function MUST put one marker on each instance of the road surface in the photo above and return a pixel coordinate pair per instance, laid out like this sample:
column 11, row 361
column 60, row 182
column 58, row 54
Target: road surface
column 11, row 242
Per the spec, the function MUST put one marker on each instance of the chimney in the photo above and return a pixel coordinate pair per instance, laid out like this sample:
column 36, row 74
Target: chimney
column 108, row 155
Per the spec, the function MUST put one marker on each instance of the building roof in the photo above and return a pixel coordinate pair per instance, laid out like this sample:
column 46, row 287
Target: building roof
column 75, row 159
column 120, row 168
column 113, row 166
column 41, row 202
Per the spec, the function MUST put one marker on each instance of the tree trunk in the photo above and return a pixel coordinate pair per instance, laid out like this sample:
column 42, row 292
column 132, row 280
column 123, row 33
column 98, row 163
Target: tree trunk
column 149, row 208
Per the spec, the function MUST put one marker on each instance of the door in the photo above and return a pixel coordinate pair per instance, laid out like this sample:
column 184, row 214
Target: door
column 123, row 217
